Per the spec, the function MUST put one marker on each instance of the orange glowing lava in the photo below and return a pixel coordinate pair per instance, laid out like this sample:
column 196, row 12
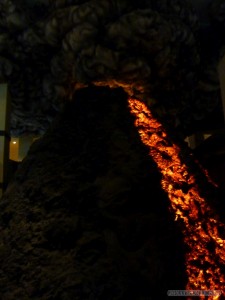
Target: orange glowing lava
column 205, row 260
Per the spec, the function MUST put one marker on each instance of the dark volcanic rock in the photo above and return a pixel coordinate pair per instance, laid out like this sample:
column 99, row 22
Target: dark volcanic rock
column 85, row 216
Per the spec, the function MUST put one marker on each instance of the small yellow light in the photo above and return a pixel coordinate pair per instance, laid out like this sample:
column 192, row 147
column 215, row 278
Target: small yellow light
column 14, row 142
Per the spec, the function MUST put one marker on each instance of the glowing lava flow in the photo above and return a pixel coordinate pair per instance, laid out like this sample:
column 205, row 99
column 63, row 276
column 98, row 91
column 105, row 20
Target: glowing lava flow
column 205, row 261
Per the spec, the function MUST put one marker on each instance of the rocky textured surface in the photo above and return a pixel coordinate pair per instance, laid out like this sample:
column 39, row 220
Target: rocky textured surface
column 211, row 154
column 152, row 48
column 85, row 216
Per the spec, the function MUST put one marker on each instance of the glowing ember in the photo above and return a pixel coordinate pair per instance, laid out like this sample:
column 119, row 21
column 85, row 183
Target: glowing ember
column 206, row 256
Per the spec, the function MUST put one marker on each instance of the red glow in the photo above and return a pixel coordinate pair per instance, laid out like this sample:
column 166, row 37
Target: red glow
column 200, row 225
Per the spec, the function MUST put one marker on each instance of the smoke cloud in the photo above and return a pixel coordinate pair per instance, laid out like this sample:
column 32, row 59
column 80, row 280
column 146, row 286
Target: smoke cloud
column 49, row 48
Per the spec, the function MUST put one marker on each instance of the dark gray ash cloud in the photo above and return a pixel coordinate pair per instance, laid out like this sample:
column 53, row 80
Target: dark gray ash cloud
column 151, row 48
